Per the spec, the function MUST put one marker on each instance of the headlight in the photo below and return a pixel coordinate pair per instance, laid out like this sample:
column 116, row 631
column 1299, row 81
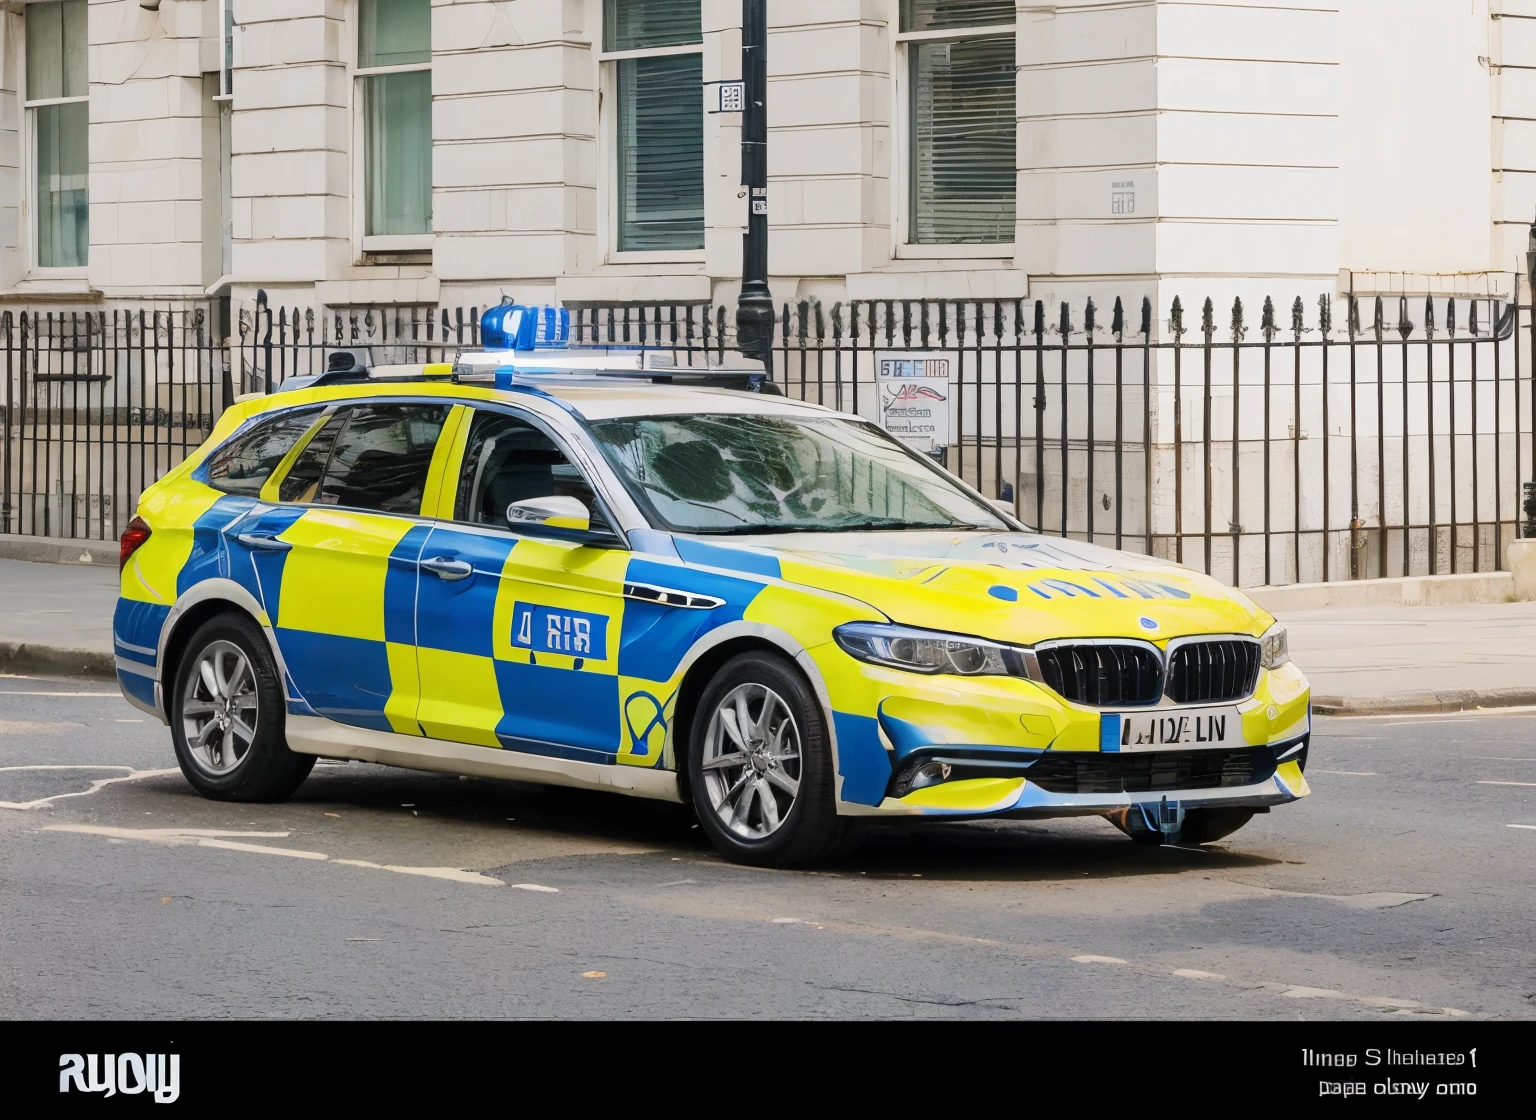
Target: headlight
column 1275, row 647
column 925, row 651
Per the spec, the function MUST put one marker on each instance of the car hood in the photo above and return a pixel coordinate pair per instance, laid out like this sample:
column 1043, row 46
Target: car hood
column 1011, row 587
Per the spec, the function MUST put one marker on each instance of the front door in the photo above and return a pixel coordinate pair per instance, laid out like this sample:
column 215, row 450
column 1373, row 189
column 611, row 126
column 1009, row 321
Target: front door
column 518, row 633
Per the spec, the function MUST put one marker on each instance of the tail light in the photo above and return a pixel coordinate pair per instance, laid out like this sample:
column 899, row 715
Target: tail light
column 133, row 538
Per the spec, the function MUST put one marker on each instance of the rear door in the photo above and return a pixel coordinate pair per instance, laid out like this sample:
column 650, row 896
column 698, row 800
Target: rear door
column 345, row 617
column 519, row 629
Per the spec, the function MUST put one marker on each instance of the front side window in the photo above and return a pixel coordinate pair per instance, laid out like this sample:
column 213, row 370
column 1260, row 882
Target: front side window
column 58, row 112
column 394, row 67
column 244, row 464
column 962, row 121
column 781, row 474
column 508, row 460
column 370, row 457
column 655, row 47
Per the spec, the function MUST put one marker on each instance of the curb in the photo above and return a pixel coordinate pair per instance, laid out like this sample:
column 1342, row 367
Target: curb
column 27, row 659
column 1412, row 591
column 55, row 550
column 1424, row 703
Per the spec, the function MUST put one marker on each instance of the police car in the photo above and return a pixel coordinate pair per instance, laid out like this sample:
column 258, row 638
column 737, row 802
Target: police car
column 590, row 568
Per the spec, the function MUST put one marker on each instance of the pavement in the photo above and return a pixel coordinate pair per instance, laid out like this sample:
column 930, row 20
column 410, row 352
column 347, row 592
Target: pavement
column 1404, row 888
column 57, row 618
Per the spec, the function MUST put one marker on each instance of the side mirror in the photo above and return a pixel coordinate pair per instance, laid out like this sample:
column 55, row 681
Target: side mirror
column 554, row 512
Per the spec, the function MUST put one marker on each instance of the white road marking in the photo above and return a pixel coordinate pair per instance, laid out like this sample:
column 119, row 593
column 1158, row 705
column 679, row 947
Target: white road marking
column 261, row 849
column 32, row 727
column 1496, row 758
column 1531, row 827
column 535, row 887
column 97, row 785
column 1089, row 958
column 233, row 841
column 455, row 874
column 1349, row 773
column 1527, row 785
column 1196, row 974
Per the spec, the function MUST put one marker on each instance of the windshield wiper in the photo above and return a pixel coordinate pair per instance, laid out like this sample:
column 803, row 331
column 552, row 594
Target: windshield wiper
column 870, row 524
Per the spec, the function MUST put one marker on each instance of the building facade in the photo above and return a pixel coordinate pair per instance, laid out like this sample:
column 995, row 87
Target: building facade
column 449, row 152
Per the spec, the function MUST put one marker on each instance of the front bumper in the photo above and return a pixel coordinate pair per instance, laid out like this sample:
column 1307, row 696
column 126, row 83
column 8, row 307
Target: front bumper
column 1015, row 796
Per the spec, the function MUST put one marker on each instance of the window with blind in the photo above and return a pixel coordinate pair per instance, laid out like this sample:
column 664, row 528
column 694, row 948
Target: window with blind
column 963, row 121
column 660, row 122
column 58, row 112
column 394, row 71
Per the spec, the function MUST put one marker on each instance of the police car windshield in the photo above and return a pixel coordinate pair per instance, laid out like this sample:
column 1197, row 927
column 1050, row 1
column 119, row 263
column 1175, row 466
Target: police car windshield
column 725, row 474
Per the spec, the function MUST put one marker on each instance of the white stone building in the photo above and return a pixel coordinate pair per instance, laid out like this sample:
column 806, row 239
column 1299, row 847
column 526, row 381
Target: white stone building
column 444, row 152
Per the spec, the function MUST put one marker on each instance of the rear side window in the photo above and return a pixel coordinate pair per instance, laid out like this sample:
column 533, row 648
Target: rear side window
column 302, row 482
column 243, row 465
column 373, row 457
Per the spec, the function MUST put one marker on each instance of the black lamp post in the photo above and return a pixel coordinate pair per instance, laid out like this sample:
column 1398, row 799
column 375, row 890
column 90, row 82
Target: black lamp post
column 754, row 310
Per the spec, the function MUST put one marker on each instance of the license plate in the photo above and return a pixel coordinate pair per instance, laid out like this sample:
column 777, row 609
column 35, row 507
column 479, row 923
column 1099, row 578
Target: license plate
column 1164, row 730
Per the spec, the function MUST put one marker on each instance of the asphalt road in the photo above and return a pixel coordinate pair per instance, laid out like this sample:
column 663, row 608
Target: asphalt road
column 1401, row 888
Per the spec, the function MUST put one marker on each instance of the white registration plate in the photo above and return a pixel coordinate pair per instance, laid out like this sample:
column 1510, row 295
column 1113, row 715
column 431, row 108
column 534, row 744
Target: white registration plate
column 1180, row 728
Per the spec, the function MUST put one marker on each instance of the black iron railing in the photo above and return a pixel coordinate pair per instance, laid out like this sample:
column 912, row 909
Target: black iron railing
column 1341, row 440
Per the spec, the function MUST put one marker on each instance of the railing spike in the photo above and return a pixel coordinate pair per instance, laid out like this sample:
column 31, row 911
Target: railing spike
column 1117, row 320
column 1238, row 329
column 1324, row 314
column 1066, row 319
column 1267, row 323
column 1088, row 316
column 1208, row 318
column 1146, row 317
column 1298, row 318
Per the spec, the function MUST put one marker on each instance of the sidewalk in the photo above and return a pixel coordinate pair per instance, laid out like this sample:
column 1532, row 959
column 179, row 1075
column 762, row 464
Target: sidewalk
column 58, row 618
column 1379, row 659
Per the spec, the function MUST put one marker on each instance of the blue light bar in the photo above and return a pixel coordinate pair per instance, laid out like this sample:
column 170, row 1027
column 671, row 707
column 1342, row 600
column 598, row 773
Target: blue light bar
column 513, row 326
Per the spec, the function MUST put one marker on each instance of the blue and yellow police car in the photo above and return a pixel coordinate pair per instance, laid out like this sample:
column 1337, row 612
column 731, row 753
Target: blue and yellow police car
column 591, row 568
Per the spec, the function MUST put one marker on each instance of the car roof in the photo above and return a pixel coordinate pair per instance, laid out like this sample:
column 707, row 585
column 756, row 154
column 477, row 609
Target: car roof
column 590, row 398
column 603, row 401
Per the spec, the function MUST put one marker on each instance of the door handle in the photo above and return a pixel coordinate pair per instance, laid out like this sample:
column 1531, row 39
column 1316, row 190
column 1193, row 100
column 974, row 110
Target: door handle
column 264, row 542
column 450, row 570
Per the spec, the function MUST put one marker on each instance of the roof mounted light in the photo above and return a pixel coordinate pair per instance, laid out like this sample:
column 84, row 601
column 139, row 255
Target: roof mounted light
column 513, row 326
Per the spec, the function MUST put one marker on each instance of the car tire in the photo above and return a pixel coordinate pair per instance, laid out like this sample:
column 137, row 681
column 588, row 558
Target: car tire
column 227, row 716
column 760, row 765
column 1205, row 826
column 1201, row 826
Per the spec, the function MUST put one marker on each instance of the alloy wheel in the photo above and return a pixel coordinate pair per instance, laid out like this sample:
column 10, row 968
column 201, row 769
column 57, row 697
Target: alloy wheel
column 219, row 709
column 752, row 761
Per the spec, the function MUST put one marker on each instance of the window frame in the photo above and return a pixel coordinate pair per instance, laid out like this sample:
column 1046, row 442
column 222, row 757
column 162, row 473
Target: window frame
column 32, row 240
column 365, row 243
column 226, row 37
column 572, row 449
column 609, row 169
column 902, row 42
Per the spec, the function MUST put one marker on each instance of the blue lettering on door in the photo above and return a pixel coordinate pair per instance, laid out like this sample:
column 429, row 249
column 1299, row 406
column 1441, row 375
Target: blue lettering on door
column 551, row 630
